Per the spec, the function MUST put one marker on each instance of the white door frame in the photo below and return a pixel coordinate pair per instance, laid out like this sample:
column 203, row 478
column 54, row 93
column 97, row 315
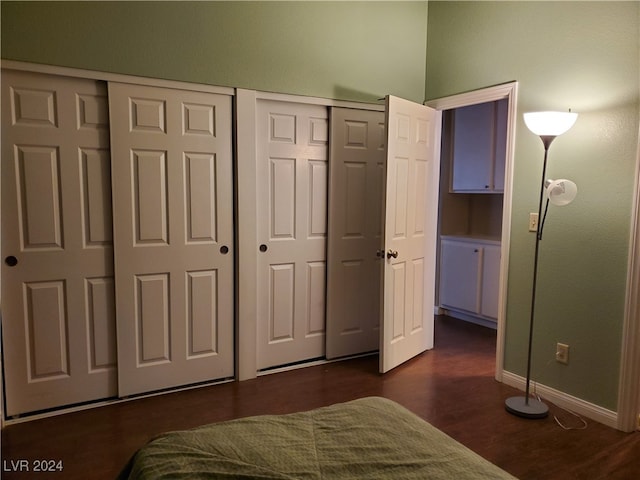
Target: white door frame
column 490, row 94
column 628, row 418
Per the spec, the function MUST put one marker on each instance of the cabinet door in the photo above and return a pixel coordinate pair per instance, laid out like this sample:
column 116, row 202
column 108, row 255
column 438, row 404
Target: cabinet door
column 473, row 148
column 460, row 275
column 500, row 160
column 490, row 281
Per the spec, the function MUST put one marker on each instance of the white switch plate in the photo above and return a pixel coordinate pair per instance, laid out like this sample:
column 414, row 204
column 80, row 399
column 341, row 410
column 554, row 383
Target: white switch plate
column 533, row 222
column 562, row 353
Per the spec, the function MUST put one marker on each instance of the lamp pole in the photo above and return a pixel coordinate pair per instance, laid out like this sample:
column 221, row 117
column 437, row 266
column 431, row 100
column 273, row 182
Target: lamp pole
column 546, row 140
column 547, row 125
column 525, row 406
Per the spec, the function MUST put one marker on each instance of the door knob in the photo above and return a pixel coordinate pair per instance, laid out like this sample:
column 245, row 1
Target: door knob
column 224, row 249
column 11, row 261
column 263, row 248
column 392, row 253
column 380, row 253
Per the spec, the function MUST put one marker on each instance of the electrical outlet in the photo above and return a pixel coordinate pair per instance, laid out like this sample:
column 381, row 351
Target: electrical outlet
column 533, row 222
column 562, row 353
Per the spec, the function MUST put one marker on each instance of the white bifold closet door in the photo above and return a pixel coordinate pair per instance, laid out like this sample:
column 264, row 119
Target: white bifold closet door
column 58, row 321
column 292, row 172
column 173, row 231
column 356, row 187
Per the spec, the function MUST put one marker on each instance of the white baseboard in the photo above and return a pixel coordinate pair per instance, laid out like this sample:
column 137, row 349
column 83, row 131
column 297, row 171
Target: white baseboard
column 564, row 400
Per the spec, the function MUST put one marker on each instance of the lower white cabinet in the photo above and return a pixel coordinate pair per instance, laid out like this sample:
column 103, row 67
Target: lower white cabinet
column 469, row 276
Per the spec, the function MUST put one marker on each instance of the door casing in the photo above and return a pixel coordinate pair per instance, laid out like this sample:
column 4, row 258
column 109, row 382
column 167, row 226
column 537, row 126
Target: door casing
column 490, row 94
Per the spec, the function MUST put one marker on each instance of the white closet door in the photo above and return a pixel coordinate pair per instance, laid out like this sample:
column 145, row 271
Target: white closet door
column 58, row 323
column 411, row 209
column 355, row 231
column 292, row 149
column 173, row 221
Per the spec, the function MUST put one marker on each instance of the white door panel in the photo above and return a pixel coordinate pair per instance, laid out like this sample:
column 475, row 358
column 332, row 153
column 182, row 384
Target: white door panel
column 292, row 144
column 411, row 204
column 58, row 322
column 355, row 231
column 173, row 211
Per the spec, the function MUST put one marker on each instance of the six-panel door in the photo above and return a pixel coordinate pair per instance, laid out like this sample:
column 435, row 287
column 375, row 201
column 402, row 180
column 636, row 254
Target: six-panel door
column 173, row 230
column 58, row 318
column 292, row 177
column 411, row 214
column 355, row 231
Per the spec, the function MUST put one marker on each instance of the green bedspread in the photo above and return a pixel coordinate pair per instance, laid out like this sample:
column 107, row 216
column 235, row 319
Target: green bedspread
column 371, row 438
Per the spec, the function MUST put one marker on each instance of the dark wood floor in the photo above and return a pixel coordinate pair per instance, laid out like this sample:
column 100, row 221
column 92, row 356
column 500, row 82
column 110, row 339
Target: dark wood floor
column 452, row 387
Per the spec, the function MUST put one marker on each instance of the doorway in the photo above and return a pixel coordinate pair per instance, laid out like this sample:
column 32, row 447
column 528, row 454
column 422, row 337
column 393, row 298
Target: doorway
column 486, row 261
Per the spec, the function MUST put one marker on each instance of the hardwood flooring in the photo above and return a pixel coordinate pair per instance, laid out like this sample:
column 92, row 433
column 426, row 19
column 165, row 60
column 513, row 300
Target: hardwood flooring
column 451, row 386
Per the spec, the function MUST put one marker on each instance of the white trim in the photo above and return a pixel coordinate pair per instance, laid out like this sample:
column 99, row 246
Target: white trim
column 490, row 94
column 114, row 77
column 564, row 400
column 314, row 363
column 327, row 102
column 629, row 381
column 103, row 403
column 247, row 274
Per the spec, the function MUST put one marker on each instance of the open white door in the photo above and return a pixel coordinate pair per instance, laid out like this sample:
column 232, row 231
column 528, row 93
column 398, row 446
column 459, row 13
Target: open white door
column 411, row 206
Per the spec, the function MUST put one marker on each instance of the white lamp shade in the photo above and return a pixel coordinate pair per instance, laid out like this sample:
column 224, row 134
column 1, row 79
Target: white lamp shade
column 561, row 192
column 549, row 123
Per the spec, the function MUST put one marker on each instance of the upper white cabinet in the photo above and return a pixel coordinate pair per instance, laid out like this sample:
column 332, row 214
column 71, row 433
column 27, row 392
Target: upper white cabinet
column 479, row 145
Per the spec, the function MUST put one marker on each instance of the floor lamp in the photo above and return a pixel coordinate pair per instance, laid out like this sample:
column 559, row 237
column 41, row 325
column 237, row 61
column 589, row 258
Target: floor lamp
column 547, row 125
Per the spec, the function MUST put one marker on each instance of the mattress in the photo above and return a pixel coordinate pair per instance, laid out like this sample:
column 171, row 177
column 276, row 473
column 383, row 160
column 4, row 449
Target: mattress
column 370, row 438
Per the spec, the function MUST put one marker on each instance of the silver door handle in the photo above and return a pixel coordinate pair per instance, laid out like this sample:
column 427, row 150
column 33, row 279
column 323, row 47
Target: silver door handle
column 392, row 253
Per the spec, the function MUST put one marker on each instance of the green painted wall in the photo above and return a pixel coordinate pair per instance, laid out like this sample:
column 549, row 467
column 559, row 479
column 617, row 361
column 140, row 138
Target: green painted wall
column 345, row 50
column 579, row 55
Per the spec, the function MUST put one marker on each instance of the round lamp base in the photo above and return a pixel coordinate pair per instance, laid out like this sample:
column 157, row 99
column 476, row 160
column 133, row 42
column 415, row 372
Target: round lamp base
column 527, row 409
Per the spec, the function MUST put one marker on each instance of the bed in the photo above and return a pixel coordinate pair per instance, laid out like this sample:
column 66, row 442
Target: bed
column 370, row 438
